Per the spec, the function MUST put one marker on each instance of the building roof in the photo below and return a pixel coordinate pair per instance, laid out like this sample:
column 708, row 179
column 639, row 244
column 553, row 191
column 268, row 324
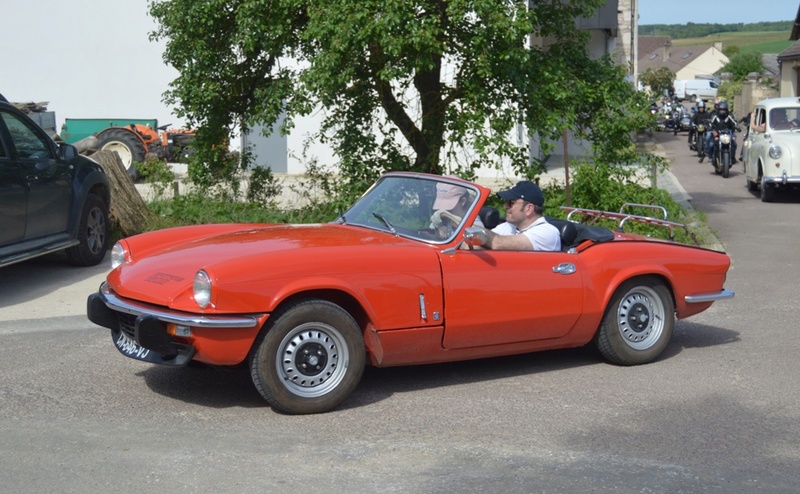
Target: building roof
column 792, row 52
column 649, row 44
column 796, row 28
column 677, row 57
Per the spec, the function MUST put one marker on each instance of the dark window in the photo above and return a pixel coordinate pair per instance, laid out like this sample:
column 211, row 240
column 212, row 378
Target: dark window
column 29, row 143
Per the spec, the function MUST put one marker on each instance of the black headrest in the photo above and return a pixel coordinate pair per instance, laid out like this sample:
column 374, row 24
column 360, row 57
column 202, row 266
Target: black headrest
column 489, row 216
column 567, row 229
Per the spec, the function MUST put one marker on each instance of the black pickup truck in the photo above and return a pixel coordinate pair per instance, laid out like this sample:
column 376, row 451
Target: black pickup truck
column 51, row 197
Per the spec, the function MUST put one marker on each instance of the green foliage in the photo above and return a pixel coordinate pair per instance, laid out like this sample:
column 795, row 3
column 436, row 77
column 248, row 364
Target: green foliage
column 399, row 85
column 659, row 79
column 157, row 174
column 742, row 64
column 263, row 186
column 727, row 90
column 697, row 30
column 607, row 187
column 731, row 50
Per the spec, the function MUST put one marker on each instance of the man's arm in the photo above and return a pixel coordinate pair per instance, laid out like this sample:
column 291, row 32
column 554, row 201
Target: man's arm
column 507, row 242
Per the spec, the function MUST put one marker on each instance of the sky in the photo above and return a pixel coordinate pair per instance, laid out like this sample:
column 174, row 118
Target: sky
column 716, row 11
column 93, row 58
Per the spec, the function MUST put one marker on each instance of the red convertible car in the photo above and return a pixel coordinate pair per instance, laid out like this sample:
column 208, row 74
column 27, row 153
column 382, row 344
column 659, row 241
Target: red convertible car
column 307, row 307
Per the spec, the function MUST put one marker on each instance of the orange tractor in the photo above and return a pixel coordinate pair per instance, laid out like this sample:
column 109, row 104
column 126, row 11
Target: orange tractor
column 132, row 139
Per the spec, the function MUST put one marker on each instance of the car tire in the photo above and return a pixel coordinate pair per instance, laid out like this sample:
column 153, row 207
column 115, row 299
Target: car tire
column 767, row 191
column 752, row 186
column 315, row 335
column 638, row 322
column 129, row 148
column 93, row 233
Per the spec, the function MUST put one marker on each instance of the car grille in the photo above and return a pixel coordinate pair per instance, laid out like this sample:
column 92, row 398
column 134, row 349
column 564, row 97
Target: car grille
column 127, row 323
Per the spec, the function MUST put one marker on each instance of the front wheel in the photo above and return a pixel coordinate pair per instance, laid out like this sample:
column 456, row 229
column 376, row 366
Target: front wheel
column 638, row 322
column 309, row 358
column 767, row 191
column 726, row 164
column 93, row 233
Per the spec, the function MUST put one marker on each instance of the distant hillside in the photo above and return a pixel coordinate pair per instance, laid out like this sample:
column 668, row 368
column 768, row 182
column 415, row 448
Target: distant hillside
column 693, row 30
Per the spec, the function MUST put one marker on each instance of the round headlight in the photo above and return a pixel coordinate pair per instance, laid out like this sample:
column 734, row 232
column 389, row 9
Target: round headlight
column 775, row 151
column 202, row 289
column 118, row 255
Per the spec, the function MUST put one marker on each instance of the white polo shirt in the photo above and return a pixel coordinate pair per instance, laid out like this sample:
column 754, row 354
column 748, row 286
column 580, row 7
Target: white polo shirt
column 542, row 235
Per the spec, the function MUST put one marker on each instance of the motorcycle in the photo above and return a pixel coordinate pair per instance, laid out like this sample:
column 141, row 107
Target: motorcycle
column 681, row 120
column 699, row 140
column 723, row 143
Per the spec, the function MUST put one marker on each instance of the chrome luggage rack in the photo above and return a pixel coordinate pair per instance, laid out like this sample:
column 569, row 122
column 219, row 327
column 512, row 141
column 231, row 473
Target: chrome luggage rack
column 622, row 217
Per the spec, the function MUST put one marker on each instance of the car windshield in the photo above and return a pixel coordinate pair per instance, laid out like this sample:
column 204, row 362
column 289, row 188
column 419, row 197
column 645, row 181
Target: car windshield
column 784, row 118
column 422, row 208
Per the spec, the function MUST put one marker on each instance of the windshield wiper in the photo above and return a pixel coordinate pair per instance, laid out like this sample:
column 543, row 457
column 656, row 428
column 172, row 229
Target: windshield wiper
column 385, row 222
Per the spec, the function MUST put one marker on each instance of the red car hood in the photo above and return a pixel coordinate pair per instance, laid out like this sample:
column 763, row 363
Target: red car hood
column 245, row 256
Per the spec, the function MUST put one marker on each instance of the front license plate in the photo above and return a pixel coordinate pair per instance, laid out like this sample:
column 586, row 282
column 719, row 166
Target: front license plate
column 130, row 348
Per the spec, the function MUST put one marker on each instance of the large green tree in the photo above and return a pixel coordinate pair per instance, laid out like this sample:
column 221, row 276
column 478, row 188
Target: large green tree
column 399, row 84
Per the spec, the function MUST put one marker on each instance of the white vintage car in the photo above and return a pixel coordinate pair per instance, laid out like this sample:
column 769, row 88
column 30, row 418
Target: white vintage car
column 771, row 153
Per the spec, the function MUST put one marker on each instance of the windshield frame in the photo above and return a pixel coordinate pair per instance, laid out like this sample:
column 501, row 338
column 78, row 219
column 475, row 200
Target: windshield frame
column 375, row 210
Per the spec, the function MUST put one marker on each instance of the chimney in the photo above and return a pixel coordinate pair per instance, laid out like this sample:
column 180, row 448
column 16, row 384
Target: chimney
column 718, row 45
column 665, row 53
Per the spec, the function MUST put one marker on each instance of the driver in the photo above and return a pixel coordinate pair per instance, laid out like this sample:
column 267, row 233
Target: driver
column 525, row 228
column 779, row 121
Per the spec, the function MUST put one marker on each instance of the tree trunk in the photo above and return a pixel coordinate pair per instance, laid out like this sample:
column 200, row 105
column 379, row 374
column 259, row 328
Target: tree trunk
column 128, row 209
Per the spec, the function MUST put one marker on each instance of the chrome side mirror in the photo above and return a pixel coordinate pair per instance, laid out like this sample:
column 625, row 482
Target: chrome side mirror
column 475, row 236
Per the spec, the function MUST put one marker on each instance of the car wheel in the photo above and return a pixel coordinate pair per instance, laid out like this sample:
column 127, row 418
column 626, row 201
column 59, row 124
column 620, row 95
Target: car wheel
column 309, row 358
column 638, row 322
column 93, row 233
column 767, row 191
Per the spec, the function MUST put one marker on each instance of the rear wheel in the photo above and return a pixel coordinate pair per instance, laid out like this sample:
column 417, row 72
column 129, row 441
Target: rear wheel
column 638, row 322
column 309, row 358
column 129, row 148
column 93, row 231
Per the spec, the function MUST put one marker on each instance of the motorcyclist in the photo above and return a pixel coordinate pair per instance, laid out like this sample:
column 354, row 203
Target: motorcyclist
column 721, row 120
column 699, row 117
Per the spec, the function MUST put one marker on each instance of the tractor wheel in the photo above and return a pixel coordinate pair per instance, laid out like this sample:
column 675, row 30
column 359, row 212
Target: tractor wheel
column 129, row 148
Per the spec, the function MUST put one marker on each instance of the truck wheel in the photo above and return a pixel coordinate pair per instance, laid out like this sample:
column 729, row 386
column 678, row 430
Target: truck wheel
column 309, row 358
column 93, row 233
column 129, row 148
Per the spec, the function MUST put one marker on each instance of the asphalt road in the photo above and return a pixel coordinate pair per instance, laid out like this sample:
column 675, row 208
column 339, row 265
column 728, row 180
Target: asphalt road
column 718, row 412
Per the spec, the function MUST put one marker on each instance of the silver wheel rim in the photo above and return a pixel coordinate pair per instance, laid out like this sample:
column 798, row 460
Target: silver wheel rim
column 122, row 150
column 640, row 318
column 312, row 360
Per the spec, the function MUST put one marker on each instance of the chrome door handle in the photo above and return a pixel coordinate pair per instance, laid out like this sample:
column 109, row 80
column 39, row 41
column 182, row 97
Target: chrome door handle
column 564, row 268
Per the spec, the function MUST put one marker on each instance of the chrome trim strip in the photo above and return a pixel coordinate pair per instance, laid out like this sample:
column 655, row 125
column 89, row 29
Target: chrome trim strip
column 708, row 297
column 119, row 304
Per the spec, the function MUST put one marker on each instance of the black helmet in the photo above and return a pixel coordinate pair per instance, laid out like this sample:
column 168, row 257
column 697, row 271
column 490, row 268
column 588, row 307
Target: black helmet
column 722, row 109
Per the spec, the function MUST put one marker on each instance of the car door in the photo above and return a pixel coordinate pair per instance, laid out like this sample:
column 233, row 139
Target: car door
column 47, row 179
column 13, row 196
column 755, row 144
column 499, row 297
